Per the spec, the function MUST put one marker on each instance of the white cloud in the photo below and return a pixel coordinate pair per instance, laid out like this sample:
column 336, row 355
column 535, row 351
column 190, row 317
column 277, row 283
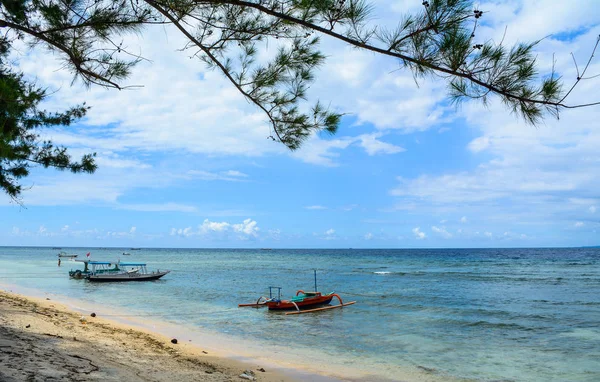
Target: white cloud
column 158, row 207
column 373, row 146
column 579, row 224
column 418, row 233
column 230, row 175
column 368, row 236
column 514, row 236
column 528, row 176
column 184, row 232
column 322, row 152
column 208, row 226
column 122, row 234
column 479, row 144
column 330, row 234
column 325, row 152
column 349, row 207
column 315, row 207
column 105, row 187
column 488, row 235
column 441, row 231
column 463, row 219
column 248, row 227
column 64, row 189
column 110, row 159
column 235, row 173
column 395, row 102
column 275, row 234
column 535, row 19
column 68, row 232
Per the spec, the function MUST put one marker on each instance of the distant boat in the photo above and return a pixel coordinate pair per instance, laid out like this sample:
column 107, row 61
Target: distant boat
column 266, row 249
column 64, row 254
column 126, row 253
column 135, row 249
column 56, row 248
column 138, row 272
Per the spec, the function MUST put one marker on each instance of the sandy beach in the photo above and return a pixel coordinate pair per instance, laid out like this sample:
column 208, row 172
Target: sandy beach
column 41, row 340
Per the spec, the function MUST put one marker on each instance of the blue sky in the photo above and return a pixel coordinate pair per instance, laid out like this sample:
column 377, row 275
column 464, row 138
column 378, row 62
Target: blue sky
column 185, row 160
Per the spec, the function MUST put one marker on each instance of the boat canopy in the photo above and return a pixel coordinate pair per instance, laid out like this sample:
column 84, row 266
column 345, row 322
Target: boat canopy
column 132, row 264
column 100, row 263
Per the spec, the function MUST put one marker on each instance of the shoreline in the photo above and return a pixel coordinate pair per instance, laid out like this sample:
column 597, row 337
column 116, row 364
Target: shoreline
column 44, row 338
column 229, row 354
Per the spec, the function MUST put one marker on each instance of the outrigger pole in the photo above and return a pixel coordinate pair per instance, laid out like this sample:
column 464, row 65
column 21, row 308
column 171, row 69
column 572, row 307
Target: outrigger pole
column 324, row 308
column 315, row 279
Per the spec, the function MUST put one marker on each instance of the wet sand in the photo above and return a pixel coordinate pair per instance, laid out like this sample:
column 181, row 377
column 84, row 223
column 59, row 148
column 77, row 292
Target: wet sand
column 41, row 340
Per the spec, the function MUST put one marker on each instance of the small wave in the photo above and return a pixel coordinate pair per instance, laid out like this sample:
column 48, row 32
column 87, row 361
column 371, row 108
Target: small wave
column 383, row 273
column 501, row 325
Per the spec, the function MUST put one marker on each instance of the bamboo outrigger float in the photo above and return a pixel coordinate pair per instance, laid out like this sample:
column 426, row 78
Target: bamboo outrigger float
column 303, row 302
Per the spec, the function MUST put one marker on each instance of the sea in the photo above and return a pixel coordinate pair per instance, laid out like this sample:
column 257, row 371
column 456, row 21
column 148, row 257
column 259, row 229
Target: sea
column 420, row 314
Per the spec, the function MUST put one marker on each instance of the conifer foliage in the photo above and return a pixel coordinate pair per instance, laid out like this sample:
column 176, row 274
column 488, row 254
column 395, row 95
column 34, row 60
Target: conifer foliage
column 228, row 36
column 20, row 122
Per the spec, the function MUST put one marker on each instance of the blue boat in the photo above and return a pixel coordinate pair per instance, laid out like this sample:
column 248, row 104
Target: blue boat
column 97, row 267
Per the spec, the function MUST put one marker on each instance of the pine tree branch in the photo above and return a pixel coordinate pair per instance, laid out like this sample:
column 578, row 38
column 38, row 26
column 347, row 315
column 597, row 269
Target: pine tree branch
column 77, row 62
column 580, row 76
column 362, row 45
column 95, row 24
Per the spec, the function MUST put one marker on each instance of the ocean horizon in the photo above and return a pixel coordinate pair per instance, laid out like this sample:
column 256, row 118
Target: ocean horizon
column 511, row 314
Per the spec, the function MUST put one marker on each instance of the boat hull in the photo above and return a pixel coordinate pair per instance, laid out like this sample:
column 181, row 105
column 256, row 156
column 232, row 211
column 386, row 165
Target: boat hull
column 78, row 275
column 308, row 303
column 122, row 277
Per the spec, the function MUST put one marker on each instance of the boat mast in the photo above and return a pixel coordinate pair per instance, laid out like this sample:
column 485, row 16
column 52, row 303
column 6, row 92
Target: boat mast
column 315, row 279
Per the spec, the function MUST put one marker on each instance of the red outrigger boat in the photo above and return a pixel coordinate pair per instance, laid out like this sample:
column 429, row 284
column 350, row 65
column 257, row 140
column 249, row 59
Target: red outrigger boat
column 303, row 302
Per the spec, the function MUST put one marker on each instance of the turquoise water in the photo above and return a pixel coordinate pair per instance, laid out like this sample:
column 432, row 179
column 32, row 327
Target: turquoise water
column 493, row 314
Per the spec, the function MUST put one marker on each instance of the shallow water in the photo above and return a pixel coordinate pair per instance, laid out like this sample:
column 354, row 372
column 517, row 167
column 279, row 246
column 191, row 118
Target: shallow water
column 482, row 314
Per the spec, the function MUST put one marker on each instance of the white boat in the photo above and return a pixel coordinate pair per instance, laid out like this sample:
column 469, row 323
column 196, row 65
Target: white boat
column 64, row 254
column 128, row 272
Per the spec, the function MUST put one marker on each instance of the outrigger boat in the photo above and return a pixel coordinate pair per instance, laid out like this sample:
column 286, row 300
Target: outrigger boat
column 137, row 272
column 303, row 302
column 64, row 254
